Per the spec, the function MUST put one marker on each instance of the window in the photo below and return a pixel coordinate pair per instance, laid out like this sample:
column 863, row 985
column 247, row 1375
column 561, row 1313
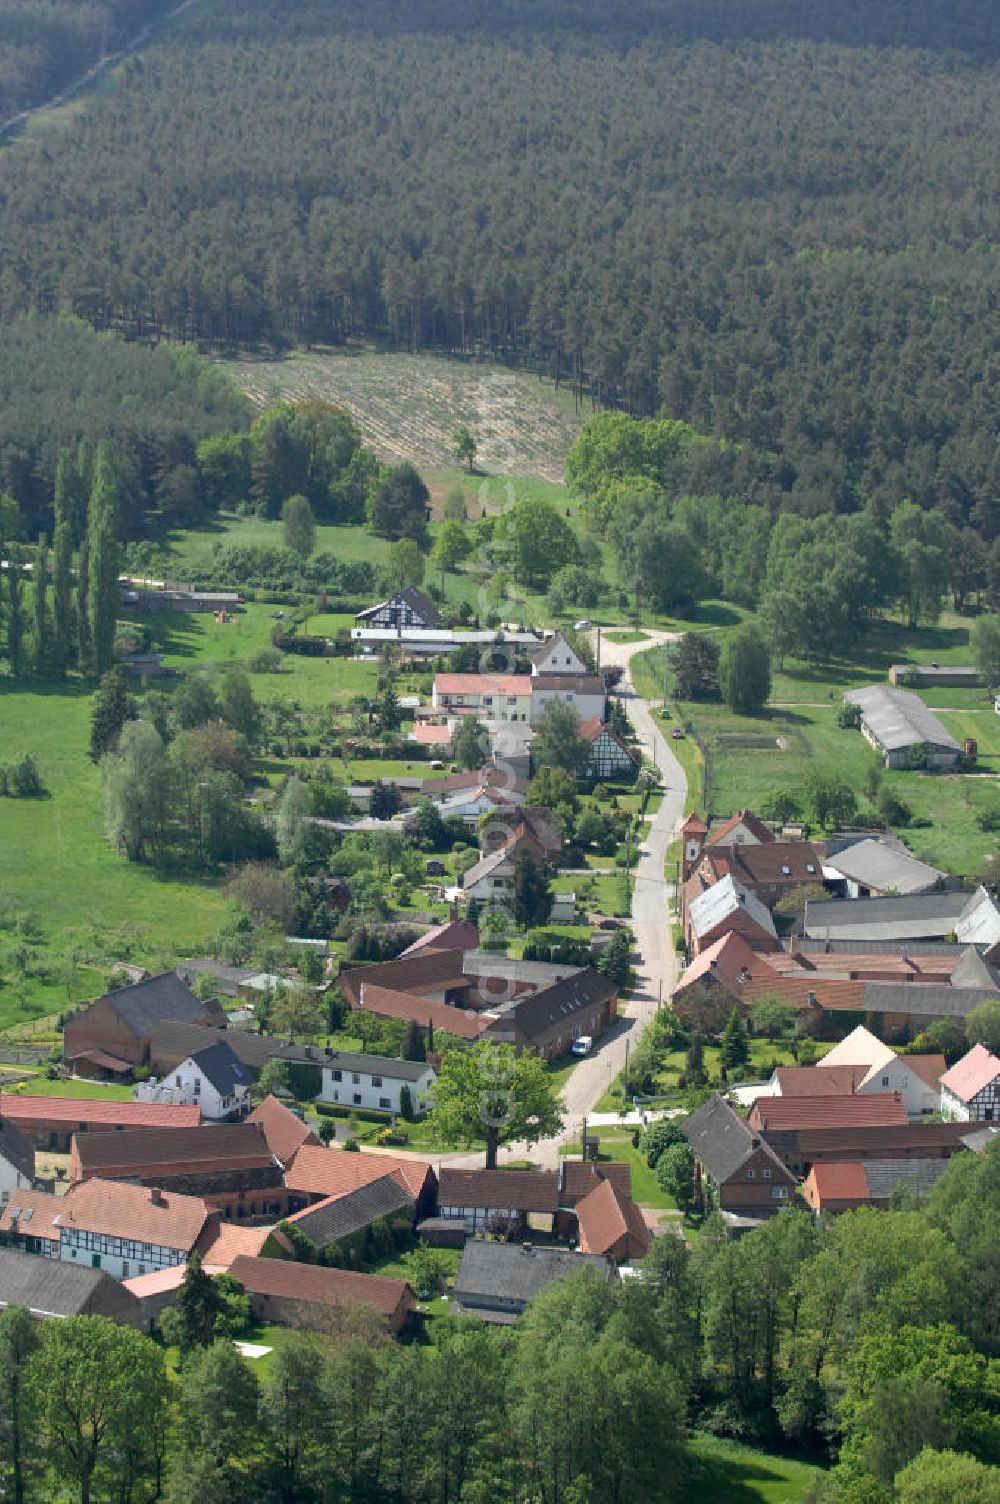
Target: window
column 95, row 1261
column 749, row 1174
column 197, row 1086
column 355, row 1079
column 357, row 1099
column 142, row 1268
column 125, row 1269
column 512, row 699
column 385, row 1102
column 767, row 1174
column 779, row 1193
column 885, row 1080
column 177, row 1081
column 376, row 1080
column 338, row 1075
column 810, row 867
column 498, row 882
column 785, row 871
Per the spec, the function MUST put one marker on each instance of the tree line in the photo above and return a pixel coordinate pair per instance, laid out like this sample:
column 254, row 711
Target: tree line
column 822, row 293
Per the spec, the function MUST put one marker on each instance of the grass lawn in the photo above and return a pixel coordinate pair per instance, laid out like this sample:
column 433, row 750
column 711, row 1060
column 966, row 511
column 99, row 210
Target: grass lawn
column 725, row 1472
column 763, row 1057
column 57, row 866
column 616, row 1144
column 40, row 1086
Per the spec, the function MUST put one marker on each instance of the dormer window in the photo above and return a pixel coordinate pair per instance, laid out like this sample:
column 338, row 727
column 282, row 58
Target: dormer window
column 785, row 870
column 810, row 867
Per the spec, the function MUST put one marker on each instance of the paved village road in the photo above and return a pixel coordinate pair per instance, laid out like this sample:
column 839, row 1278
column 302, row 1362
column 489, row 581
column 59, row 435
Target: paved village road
column 656, row 962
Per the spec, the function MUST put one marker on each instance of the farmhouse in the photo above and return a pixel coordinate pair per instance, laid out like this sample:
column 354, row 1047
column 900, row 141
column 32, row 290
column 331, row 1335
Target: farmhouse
column 338, row 1219
column 971, row 918
column 28, row 1222
column 970, row 1091
column 586, row 693
column 497, row 1201
column 283, row 1131
column 734, row 1166
column 897, row 723
column 114, row 1033
column 213, row 1078
column 317, row 1174
column 129, row 1229
column 610, row 757
column 726, row 907
column 372, row 1081
column 915, row 1079
column 794, row 1114
column 493, row 697
column 548, row 1021
column 800, row 1148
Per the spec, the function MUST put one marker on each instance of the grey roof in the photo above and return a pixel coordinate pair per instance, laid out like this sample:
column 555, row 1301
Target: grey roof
column 484, row 963
column 931, row 672
column 723, row 898
column 183, row 1040
column 925, row 999
column 373, row 1065
column 507, row 1272
column 533, row 1013
column 973, row 971
column 412, row 597
column 155, row 1001
column 877, row 947
column 917, row 1175
column 486, row 866
column 581, row 684
column 898, row 718
column 876, row 864
column 229, row 978
column 328, row 1221
column 722, row 1141
column 16, row 1149
column 52, row 1287
column 912, row 917
column 223, row 1067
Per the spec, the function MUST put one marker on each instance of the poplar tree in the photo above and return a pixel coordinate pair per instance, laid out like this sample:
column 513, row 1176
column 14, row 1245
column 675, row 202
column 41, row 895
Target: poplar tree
column 62, row 588
column 102, row 583
column 83, row 606
column 40, row 579
column 15, row 608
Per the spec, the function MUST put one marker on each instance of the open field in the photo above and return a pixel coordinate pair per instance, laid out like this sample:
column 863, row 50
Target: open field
column 727, row 1472
column 408, row 406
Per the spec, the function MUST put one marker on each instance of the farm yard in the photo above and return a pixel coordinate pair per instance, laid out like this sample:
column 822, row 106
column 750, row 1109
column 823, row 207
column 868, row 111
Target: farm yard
column 408, row 406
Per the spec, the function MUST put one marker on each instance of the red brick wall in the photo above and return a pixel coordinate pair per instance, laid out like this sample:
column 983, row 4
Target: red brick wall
column 100, row 1028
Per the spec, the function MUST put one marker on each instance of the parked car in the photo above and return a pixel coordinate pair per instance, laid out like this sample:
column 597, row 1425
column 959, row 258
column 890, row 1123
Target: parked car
column 677, row 734
column 582, row 1046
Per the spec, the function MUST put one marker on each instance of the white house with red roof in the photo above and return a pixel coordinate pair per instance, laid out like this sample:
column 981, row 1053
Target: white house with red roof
column 970, row 1091
column 493, row 697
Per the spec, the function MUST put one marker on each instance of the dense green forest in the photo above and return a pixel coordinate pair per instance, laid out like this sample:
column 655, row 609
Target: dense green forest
column 45, row 44
column 874, row 1337
column 774, row 221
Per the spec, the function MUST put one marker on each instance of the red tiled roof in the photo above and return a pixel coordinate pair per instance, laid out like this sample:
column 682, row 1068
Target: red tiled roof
column 456, row 934
column 972, row 1074
column 461, row 1022
column 482, row 684
column 746, row 818
column 725, row 960
column 120, row 1210
column 767, row 863
column 929, row 1068
column 72, row 1111
column 216, row 1146
column 578, row 1177
column 693, row 823
column 831, row 995
column 780, row 1114
column 42, row 1206
column 157, row 1282
column 313, row 1282
column 334, row 1172
column 224, row 1241
column 600, row 1220
column 840, row 1180
column 430, row 735
column 283, row 1131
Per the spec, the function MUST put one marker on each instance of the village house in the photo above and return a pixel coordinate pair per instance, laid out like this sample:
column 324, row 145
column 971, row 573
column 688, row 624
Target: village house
column 376, row 1082
column 230, row 1167
column 50, row 1122
column 587, row 694
column 114, row 1034
column 964, row 917
column 800, row 1148
column 771, row 1115
column 28, row 1222
column 316, row 1174
column 898, row 724
column 735, row 1168
column 174, row 1043
column 725, row 907
column 843, row 1185
column 50, row 1290
column 915, row 1079
column 549, row 1020
column 409, row 607
column 498, row 1281
column 532, row 825
column 491, row 697
column 497, row 1201
column 303, row 1295
column 970, row 1091
column 769, row 871
column 128, row 1229
column 555, row 656
column 610, row 757
column 213, row 1079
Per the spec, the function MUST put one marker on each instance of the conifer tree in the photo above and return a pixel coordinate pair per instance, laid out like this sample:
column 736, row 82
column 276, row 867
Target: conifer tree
column 83, row 606
column 62, row 589
column 104, row 551
column 735, row 1049
column 15, row 608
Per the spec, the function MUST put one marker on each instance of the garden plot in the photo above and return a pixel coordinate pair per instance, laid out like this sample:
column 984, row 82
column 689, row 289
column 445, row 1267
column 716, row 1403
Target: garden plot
column 408, row 407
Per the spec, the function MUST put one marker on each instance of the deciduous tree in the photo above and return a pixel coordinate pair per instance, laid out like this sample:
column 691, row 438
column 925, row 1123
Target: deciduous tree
column 490, row 1095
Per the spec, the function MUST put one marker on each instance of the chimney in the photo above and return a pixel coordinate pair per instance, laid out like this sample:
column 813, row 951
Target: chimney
column 156, row 1196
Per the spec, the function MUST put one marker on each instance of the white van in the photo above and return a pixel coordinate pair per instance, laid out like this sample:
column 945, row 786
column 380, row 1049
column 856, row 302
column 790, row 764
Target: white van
column 582, row 1046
